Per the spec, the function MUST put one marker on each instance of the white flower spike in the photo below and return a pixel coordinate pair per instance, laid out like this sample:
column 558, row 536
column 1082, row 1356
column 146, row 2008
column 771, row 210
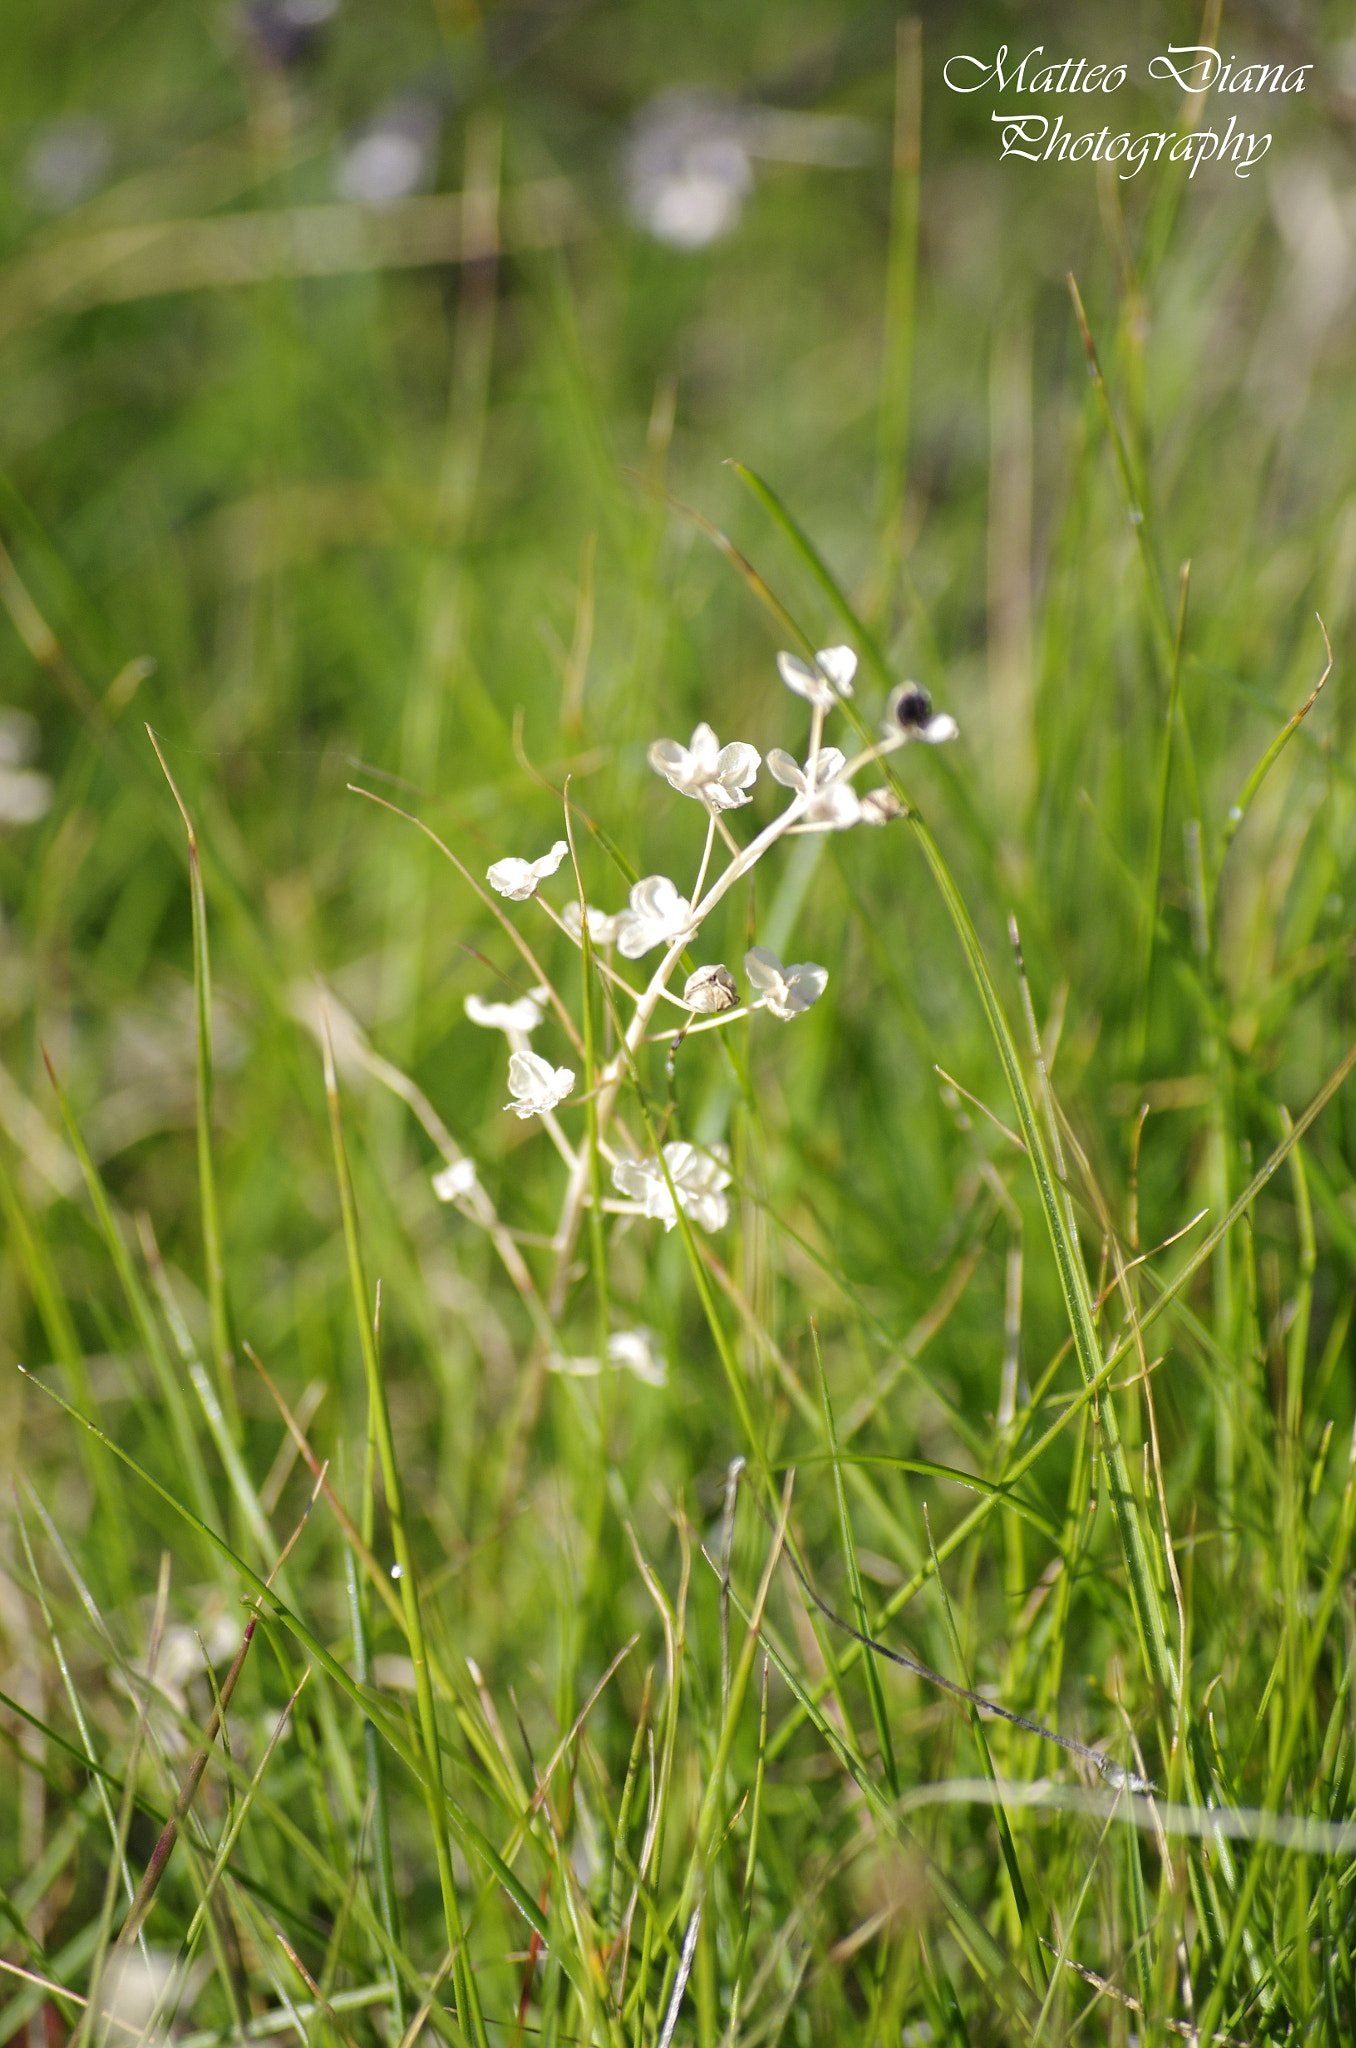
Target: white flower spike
column 786, row 991
column 656, row 917
column 717, row 776
column 518, row 879
column 698, row 1180
column 524, row 1015
column 829, row 679
column 455, row 1181
column 834, row 804
column 908, row 709
column 536, row 1085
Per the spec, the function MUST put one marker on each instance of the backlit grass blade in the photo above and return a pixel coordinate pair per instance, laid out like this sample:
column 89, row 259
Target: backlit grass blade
column 218, row 1297
column 874, row 1688
column 468, row 1997
column 171, row 1393
column 277, row 1610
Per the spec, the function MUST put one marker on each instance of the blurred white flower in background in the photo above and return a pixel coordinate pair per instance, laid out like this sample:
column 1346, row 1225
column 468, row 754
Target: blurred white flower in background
column 68, row 160
column 395, row 155
column 786, row 991
column 687, row 163
column 536, row 1085
column 454, row 1182
column 686, row 168
column 715, row 775
column 518, row 879
column 25, row 796
column 635, row 1350
column 524, row 1015
column 656, row 916
column 698, row 1180
column 602, row 929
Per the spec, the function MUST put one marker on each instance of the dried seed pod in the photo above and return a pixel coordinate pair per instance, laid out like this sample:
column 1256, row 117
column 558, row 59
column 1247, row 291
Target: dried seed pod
column 710, row 990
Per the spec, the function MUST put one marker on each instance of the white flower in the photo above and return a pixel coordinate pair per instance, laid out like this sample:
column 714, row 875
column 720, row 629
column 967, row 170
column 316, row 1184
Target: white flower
column 636, row 1350
column 524, row 1015
column 829, row 679
column 710, row 990
column 698, row 1178
column 715, row 775
column 786, row 991
column 656, row 917
column 518, row 879
column 537, row 1086
column 908, row 709
column 25, row 796
column 834, row 804
column 602, row 929
column 455, row 1181
column 397, row 154
column 686, row 167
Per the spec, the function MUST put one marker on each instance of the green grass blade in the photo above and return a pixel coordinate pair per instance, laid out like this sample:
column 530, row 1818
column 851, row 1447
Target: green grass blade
column 873, row 1683
column 218, row 1298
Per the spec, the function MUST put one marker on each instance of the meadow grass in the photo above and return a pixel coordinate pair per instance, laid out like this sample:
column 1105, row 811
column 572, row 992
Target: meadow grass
column 909, row 1598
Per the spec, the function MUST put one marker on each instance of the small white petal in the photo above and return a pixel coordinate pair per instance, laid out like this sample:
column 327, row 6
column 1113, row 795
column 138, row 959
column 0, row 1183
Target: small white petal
column 536, row 1085
column 834, row 808
column 804, row 681
column 715, row 775
column 698, row 1180
column 786, row 992
column 517, row 879
column 940, row 729
column 782, row 768
column 455, row 1181
column 656, row 916
column 840, row 666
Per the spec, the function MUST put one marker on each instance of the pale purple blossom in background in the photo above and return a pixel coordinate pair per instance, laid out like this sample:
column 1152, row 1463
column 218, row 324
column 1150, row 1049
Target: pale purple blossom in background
column 536, row 1085
column 698, row 1180
column 716, row 775
column 786, row 991
column 518, row 879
